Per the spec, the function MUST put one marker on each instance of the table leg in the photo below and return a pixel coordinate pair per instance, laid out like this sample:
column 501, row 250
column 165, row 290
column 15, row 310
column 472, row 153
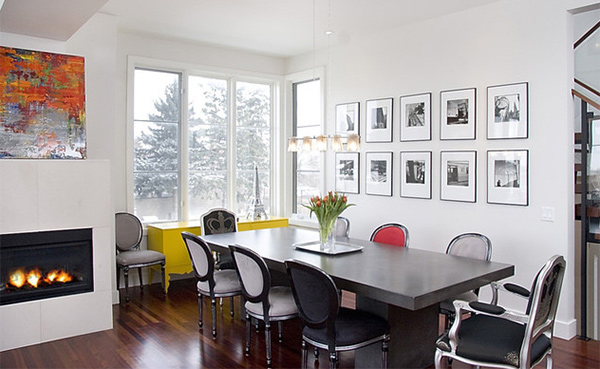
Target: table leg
column 412, row 336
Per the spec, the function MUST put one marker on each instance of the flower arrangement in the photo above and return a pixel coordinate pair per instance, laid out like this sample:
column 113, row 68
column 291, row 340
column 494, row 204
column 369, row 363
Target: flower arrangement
column 327, row 209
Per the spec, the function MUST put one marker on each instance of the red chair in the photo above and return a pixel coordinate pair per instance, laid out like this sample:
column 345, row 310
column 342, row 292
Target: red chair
column 392, row 234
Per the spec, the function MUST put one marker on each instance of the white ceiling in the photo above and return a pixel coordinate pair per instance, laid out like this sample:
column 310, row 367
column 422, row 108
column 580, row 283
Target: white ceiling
column 280, row 28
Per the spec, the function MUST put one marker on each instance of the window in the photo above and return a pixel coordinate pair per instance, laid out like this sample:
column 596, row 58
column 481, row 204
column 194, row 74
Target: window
column 187, row 162
column 308, row 175
column 157, row 122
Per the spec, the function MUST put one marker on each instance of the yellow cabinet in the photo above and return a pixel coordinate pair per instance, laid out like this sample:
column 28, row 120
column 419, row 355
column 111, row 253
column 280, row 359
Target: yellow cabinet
column 166, row 238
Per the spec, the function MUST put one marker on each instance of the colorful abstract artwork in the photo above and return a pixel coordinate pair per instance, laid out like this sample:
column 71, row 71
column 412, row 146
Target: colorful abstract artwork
column 42, row 105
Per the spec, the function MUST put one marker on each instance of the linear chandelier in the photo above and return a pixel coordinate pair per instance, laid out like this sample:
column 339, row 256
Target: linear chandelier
column 320, row 143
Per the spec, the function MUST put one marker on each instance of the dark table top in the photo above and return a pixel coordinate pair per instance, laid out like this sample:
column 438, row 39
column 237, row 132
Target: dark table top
column 406, row 277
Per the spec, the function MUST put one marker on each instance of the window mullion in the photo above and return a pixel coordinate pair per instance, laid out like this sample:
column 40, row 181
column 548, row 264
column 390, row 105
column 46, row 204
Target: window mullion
column 184, row 178
column 232, row 145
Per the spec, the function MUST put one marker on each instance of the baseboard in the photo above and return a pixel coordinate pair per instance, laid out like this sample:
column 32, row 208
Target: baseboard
column 565, row 330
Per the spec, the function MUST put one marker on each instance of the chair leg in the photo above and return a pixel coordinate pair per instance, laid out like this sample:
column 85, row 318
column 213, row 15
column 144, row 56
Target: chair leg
column 280, row 331
column 200, row 310
column 213, row 303
column 332, row 360
column 316, row 353
column 126, row 277
column 304, row 354
column 248, row 328
column 549, row 360
column 438, row 359
column 268, row 340
column 118, row 277
column 384, row 350
column 231, row 305
column 141, row 281
column 162, row 278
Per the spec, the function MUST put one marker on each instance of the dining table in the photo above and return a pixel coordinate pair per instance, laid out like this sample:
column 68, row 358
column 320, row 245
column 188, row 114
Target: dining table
column 404, row 285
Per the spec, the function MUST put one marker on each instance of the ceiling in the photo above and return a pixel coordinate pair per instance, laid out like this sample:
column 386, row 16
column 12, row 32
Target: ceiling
column 281, row 28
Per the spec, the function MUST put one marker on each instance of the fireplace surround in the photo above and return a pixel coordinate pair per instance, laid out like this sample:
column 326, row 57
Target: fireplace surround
column 55, row 195
column 39, row 265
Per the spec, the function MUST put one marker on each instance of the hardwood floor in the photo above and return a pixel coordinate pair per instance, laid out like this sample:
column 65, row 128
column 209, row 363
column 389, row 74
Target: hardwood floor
column 154, row 331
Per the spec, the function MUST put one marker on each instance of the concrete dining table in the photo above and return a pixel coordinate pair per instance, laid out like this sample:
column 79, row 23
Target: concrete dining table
column 404, row 285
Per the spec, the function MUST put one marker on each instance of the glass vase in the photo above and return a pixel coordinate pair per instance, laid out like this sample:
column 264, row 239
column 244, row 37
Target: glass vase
column 327, row 233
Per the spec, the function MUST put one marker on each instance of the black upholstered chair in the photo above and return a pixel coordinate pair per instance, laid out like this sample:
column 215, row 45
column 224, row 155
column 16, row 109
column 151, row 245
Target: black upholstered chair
column 216, row 221
column 342, row 227
column 212, row 283
column 391, row 234
column 263, row 302
column 325, row 324
column 471, row 245
column 128, row 236
column 500, row 338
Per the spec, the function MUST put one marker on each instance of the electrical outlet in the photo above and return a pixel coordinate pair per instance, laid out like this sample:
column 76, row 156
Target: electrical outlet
column 547, row 214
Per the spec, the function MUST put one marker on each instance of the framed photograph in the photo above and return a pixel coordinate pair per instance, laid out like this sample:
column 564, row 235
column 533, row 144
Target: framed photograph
column 415, row 174
column 347, row 118
column 508, row 179
column 379, row 120
column 347, row 172
column 415, row 117
column 379, row 173
column 458, row 177
column 507, row 111
column 457, row 119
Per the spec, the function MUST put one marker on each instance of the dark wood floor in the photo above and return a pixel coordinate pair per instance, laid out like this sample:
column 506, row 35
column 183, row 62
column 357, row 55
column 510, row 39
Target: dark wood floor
column 154, row 331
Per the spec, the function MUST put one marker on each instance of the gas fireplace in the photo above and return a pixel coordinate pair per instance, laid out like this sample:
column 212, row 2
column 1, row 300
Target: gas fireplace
column 41, row 265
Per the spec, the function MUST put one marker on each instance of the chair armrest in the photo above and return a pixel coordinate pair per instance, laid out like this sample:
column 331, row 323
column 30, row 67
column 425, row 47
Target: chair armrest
column 513, row 288
column 487, row 308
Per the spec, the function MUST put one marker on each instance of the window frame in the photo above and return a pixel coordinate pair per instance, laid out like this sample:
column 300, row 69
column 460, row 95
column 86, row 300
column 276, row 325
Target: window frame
column 232, row 77
column 290, row 172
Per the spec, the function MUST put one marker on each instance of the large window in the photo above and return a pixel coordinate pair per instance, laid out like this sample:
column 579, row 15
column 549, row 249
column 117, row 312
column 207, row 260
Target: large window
column 308, row 177
column 187, row 161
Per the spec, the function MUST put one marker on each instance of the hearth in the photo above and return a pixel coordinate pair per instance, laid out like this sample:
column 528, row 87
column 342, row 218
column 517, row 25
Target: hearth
column 39, row 265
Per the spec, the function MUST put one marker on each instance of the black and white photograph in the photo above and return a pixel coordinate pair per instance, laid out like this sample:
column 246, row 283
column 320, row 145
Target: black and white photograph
column 458, row 175
column 347, row 118
column 507, row 111
column 379, row 120
column 378, row 173
column 457, row 119
column 415, row 174
column 347, row 172
column 508, row 177
column 415, row 117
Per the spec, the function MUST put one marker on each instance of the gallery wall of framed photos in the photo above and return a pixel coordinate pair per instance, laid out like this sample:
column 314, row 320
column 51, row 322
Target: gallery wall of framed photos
column 419, row 156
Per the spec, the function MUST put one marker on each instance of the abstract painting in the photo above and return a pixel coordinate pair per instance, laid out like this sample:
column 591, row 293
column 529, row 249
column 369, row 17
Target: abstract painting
column 42, row 105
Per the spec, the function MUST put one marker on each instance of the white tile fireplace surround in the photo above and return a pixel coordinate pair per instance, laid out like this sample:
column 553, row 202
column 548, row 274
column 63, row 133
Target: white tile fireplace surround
column 42, row 195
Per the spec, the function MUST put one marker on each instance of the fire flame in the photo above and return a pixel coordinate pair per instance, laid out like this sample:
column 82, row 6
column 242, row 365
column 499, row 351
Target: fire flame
column 34, row 277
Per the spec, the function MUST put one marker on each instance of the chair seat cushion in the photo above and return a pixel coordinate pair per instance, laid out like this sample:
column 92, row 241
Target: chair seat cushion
column 226, row 282
column 352, row 327
column 139, row 257
column 281, row 300
column 448, row 306
column 493, row 340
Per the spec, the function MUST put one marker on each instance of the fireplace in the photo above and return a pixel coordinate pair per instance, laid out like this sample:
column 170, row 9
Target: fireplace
column 40, row 265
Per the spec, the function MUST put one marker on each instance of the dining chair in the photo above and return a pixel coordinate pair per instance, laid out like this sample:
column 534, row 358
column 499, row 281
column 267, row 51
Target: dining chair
column 128, row 238
column 212, row 283
column 263, row 302
column 391, row 233
column 217, row 221
column 496, row 337
column 471, row 245
column 327, row 325
column 342, row 227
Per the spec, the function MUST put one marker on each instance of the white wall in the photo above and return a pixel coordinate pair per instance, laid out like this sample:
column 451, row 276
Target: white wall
column 505, row 42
